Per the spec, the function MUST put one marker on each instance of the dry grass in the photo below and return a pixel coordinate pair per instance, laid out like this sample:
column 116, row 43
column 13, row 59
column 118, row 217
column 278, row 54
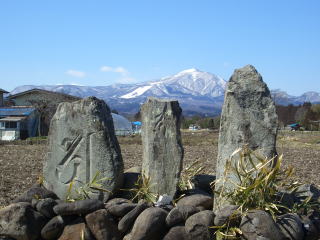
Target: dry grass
column 20, row 165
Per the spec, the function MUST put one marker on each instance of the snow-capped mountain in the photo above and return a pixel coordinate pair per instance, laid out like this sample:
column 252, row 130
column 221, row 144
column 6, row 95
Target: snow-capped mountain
column 283, row 98
column 198, row 92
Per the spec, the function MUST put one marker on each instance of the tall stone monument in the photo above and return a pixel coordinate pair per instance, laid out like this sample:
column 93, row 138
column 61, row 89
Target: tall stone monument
column 162, row 147
column 248, row 118
column 82, row 143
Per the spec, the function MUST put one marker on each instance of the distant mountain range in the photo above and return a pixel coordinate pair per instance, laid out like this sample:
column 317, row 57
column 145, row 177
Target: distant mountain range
column 198, row 92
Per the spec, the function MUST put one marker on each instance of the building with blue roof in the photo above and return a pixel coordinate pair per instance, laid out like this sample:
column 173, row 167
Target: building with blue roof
column 17, row 122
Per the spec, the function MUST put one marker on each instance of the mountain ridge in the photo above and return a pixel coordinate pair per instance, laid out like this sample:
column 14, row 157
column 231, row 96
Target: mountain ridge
column 198, row 92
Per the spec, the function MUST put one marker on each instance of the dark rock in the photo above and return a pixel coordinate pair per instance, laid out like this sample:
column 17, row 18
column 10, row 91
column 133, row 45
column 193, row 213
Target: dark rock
column 6, row 238
column 150, row 224
column 116, row 201
column 121, row 209
column 130, row 178
column 180, row 214
column 102, row 225
column 128, row 220
column 53, row 229
column 308, row 190
column 197, row 226
column 258, row 224
column 248, row 118
column 310, row 229
column 227, row 212
column 177, row 233
column 203, row 182
column 197, row 200
column 21, row 222
column 45, row 207
column 37, row 191
column 286, row 199
column 162, row 145
column 78, row 207
column 76, row 232
column 291, row 225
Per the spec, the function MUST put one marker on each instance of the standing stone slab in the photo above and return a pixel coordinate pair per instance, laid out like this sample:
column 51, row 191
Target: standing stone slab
column 248, row 118
column 82, row 142
column 162, row 147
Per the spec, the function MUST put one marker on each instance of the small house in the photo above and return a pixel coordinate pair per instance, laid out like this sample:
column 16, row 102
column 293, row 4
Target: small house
column 18, row 123
column 194, row 127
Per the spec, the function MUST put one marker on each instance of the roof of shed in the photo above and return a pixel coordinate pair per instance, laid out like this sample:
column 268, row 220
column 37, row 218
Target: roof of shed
column 16, row 111
column 40, row 90
column 3, row 91
column 12, row 119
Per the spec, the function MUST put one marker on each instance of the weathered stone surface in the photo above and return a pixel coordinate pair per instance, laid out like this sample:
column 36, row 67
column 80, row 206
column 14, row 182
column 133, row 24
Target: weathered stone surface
column 128, row 220
column 248, row 118
column 82, row 143
column 291, row 226
column 76, row 232
column 197, row 226
column 226, row 212
column 197, row 200
column 150, row 224
column 102, row 225
column 35, row 192
column 179, row 215
column 310, row 228
column 21, row 222
column 78, row 207
column 258, row 224
column 162, row 147
column 53, row 229
column 45, row 207
column 177, row 233
column 119, row 210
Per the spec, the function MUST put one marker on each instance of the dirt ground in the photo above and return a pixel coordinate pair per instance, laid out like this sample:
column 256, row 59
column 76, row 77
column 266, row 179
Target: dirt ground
column 21, row 165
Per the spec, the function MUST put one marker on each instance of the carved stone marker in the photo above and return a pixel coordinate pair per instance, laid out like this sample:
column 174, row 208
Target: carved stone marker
column 82, row 143
column 248, row 118
column 162, row 147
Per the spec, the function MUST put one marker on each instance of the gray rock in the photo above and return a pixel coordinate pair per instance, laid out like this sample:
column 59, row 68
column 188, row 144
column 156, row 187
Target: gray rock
column 203, row 182
column 77, row 231
column 248, row 118
column 308, row 190
column 310, row 228
column 162, row 146
column 45, row 207
column 177, row 232
column 197, row 226
column 82, row 143
column 35, row 192
column 21, row 222
column 128, row 220
column 259, row 225
column 116, row 201
column 227, row 212
column 119, row 210
column 102, row 225
column 150, row 224
column 53, row 229
column 291, row 225
column 197, row 200
column 78, row 207
column 130, row 178
column 179, row 215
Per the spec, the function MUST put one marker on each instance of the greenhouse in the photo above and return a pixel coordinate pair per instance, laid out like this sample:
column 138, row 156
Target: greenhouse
column 122, row 126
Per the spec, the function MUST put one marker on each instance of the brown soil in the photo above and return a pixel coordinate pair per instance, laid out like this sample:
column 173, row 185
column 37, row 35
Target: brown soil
column 21, row 165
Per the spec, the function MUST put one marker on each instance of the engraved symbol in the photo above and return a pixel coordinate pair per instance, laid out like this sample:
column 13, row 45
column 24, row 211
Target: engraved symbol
column 67, row 168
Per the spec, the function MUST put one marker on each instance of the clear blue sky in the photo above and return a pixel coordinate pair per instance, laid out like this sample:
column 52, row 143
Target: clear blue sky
column 103, row 42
